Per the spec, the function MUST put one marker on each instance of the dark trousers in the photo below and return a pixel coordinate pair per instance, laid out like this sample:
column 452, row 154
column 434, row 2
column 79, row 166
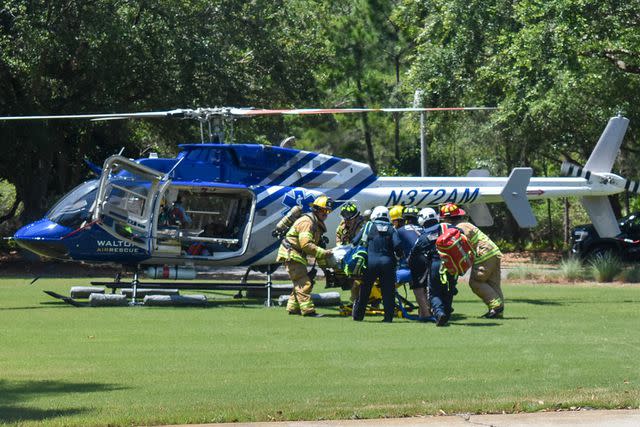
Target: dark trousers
column 383, row 268
column 441, row 294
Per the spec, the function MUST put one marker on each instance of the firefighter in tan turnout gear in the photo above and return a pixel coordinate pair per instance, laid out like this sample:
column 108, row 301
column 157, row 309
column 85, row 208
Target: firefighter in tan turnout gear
column 485, row 273
column 301, row 241
column 351, row 223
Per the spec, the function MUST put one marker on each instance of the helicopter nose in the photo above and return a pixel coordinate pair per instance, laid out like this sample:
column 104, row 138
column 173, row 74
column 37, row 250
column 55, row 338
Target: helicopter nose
column 43, row 238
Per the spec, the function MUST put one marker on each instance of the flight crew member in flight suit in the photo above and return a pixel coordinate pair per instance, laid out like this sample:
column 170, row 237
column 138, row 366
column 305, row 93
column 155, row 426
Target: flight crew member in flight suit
column 351, row 223
column 301, row 241
column 485, row 273
column 426, row 269
column 408, row 234
column 383, row 245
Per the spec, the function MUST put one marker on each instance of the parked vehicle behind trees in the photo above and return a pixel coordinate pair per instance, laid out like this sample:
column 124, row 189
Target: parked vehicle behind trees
column 587, row 244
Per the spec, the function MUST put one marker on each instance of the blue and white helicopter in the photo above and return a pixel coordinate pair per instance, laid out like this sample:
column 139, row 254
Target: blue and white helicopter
column 229, row 197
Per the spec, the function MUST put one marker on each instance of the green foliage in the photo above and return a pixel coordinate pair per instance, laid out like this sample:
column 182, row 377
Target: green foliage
column 106, row 56
column 572, row 269
column 605, row 268
column 557, row 70
column 7, row 196
column 631, row 274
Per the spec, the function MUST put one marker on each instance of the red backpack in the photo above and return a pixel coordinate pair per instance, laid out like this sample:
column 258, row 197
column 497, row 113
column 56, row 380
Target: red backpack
column 455, row 250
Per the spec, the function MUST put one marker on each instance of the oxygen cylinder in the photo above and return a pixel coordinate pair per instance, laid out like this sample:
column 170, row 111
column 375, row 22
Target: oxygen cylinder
column 171, row 272
column 287, row 221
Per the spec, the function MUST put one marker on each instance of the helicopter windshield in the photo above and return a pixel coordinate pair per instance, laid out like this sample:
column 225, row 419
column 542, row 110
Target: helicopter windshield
column 75, row 208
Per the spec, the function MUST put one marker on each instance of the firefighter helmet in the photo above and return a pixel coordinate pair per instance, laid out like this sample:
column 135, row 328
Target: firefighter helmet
column 322, row 203
column 427, row 214
column 380, row 213
column 349, row 210
column 396, row 212
column 451, row 210
column 410, row 212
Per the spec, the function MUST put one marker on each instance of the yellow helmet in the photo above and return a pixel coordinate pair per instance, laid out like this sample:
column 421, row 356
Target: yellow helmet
column 396, row 212
column 322, row 202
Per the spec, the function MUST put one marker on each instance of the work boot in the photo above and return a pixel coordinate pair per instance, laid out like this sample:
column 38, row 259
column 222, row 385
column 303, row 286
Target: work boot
column 494, row 313
column 293, row 313
column 441, row 319
column 313, row 314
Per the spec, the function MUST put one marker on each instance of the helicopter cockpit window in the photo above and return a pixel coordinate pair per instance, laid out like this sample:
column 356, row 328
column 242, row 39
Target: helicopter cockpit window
column 74, row 209
column 130, row 197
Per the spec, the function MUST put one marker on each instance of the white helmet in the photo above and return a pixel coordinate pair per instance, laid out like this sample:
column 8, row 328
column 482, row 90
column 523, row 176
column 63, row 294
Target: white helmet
column 380, row 213
column 426, row 214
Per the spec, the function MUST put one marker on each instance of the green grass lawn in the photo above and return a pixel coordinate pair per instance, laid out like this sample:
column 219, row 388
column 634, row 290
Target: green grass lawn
column 558, row 346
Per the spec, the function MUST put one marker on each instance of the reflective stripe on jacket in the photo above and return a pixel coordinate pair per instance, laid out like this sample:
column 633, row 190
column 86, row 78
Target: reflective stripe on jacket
column 482, row 245
column 345, row 234
column 302, row 240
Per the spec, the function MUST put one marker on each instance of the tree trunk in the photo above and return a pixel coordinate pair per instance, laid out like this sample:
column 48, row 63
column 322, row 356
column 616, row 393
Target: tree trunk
column 567, row 225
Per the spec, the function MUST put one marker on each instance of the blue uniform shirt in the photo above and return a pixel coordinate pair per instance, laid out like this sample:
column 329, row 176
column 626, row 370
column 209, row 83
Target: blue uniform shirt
column 408, row 235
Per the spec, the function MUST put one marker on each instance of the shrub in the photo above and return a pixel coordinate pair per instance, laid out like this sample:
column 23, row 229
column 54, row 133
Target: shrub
column 571, row 269
column 606, row 267
column 631, row 275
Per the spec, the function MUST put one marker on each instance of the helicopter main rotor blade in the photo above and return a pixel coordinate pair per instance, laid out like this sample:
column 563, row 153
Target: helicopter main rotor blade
column 207, row 114
column 309, row 111
column 113, row 116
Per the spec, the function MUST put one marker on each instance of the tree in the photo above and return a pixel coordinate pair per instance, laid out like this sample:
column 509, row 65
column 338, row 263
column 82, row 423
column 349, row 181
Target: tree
column 72, row 57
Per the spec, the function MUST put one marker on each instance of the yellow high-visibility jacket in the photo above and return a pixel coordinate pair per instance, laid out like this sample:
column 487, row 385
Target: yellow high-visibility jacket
column 483, row 247
column 345, row 234
column 302, row 240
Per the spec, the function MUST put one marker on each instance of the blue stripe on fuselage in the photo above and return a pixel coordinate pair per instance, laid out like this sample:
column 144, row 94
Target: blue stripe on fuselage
column 349, row 194
column 311, row 175
column 355, row 190
column 287, row 173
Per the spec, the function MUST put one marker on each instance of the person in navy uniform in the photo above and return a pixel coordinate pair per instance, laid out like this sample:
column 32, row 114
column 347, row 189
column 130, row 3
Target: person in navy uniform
column 409, row 234
column 383, row 246
column 426, row 270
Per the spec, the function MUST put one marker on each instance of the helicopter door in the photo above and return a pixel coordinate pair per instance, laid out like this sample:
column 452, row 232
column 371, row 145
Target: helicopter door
column 126, row 197
column 197, row 220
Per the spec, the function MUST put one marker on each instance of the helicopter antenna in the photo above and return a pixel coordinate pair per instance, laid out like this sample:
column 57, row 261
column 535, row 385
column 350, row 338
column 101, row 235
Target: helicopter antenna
column 166, row 175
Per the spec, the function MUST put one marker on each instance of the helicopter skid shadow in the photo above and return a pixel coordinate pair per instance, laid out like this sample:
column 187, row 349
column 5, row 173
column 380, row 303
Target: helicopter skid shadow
column 536, row 301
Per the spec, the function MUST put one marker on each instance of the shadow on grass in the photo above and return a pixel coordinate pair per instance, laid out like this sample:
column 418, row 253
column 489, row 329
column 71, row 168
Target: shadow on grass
column 536, row 301
column 12, row 394
column 476, row 324
column 15, row 414
column 36, row 307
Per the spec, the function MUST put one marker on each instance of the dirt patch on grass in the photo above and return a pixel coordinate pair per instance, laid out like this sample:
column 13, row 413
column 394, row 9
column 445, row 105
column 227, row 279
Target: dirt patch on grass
column 513, row 259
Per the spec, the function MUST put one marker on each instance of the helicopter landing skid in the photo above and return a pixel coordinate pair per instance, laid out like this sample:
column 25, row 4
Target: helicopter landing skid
column 66, row 299
column 213, row 286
